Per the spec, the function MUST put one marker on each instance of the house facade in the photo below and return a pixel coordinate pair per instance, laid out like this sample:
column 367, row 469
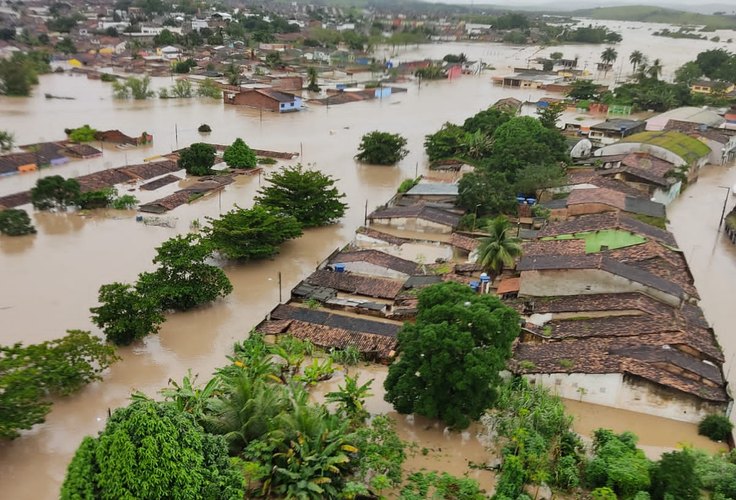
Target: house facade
column 266, row 99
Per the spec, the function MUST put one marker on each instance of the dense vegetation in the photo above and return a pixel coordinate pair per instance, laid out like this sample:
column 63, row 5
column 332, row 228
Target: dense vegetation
column 650, row 14
column 382, row 148
column 450, row 358
column 19, row 73
column 15, row 222
column 31, row 375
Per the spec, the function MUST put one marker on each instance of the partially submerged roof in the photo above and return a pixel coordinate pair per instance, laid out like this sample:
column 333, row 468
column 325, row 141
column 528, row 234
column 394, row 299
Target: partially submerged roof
column 356, row 284
column 598, row 222
column 688, row 114
column 682, row 145
column 433, row 189
column 377, row 258
column 418, row 211
column 618, row 125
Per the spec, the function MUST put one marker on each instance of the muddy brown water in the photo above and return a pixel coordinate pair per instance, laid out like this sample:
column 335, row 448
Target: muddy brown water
column 50, row 280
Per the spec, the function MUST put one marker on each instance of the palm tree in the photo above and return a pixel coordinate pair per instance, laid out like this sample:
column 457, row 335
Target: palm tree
column 312, row 75
column 608, row 57
column 655, row 69
column 499, row 248
column 636, row 58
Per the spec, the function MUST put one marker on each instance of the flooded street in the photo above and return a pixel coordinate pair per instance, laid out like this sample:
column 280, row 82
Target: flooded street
column 50, row 280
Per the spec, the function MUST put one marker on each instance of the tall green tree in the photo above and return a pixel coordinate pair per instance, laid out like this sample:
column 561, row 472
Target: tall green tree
column 15, row 222
column 125, row 315
column 485, row 192
column 54, row 192
column 152, row 450
column 549, row 115
column 446, row 143
column 499, row 249
column 197, row 159
column 312, row 75
column 486, row 121
column 382, row 148
column 239, row 155
column 674, row 476
column 248, row 234
column 30, row 375
column 184, row 279
column 17, row 75
column 450, row 358
column 618, row 464
column 310, row 196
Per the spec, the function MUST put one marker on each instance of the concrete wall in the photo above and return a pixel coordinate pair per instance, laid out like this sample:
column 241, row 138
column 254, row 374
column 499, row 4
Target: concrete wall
column 550, row 283
column 414, row 224
column 627, row 393
column 632, row 147
column 589, row 208
column 666, row 196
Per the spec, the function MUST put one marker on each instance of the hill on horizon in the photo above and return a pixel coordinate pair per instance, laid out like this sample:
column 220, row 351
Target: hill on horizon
column 652, row 14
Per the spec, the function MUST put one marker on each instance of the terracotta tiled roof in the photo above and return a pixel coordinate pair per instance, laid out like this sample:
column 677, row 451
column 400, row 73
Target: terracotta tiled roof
column 554, row 247
column 598, row 222
column 464, row 242
column 356, row 284
column 596, row 179
column 377, row 258
column 163, row 181
column 659, row 260
column 349, row 323
column 644, row 357
column 508, row 285
column 418, row 211
column 598, row 195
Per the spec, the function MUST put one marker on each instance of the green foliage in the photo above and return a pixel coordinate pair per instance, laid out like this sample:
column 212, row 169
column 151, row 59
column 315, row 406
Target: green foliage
column 124, row 314
column 651, row 93
column 716, row 427
column 523, row 141
column 618, row 464
column 197, row 159
column 19, row 73
column 486, row 121
column 717, row 473
column 549, row 115
column 248, row 234
column 446, row 143
column 499, row 248
column 239, row 155
column 674, row 476
column 66, row 46
column 603, row 493
column 31, row 375
column 423, row 485
column 309, row 196
column 183, row 279
column 95, row 199
column 382, row 148
column 137, row 88
column 487, row 192
column 124, row 202
column 152, row 450
column 350, row 399
column 7, row 141
column 183, row 67
column 349, row 356
column 533, row 178
column 85, row 133
column 583, row 90
column 588, row 34
column 15, row 222
column 182, row 89
column 450, row 358
column 54, row 192
column 534, row 432
column 407, row 184
column 208, row 88
column 312, row 75
column 204, row 128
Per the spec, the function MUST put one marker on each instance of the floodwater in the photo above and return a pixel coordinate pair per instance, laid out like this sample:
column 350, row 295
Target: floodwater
column 50, row 280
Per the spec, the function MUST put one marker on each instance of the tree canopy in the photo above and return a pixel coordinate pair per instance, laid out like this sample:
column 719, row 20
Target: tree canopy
column 450, row 358
column 239, row 155
column 253, row 233
column 54, row 192
column 184, row 279
column 30, row 375
column 152, row 450
column 382, row 148
column 310, row 196
column 197, row 159
column 500, row 248
column 15, row 222
column 124, row 314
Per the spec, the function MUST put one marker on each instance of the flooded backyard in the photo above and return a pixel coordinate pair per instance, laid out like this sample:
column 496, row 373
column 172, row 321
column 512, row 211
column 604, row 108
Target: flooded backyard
column 50, row 280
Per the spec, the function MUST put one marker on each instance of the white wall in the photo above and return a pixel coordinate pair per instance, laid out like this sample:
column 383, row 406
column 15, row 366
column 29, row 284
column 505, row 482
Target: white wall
column 372, row 270
column 414, row 224
column 626, row 393
column 550, row 283
column 666, row 196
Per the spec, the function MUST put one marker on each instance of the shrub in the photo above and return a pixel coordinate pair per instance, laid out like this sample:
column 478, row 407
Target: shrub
column 407, row 184
column 15, row 222
column 716, row 427
column 204, row 128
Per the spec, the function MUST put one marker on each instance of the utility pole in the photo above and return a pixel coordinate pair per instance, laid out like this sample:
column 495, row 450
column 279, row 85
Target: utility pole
column 280, row 299
column 725, row 202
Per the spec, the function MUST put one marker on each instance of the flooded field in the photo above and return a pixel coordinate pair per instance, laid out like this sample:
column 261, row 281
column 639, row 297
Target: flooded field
column 50, row 280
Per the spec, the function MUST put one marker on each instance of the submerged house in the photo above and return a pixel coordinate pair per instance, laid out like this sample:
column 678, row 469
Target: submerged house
column 264, row 98
column 420, row 216
column 613, row 130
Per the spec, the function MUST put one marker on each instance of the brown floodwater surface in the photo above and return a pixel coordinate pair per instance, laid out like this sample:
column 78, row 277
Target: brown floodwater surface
column 49, row 281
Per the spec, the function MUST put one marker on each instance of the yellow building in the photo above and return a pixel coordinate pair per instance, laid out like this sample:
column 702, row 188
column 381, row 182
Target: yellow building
column 710, row 86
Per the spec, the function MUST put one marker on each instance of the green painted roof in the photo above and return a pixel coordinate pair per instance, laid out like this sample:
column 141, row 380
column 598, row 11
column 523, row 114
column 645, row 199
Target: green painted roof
column 682, row 145
column 594, row 240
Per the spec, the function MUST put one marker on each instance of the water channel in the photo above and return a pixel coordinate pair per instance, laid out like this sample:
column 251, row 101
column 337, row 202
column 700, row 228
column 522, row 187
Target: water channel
column 50, row 280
